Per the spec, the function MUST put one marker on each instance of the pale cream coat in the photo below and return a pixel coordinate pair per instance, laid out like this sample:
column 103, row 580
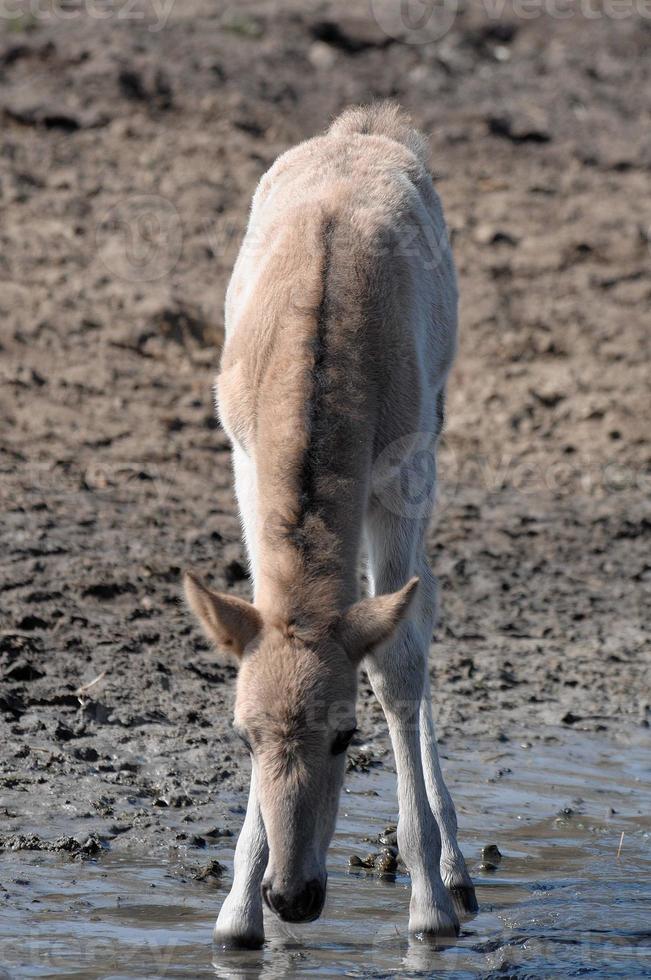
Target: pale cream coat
column 340, row 332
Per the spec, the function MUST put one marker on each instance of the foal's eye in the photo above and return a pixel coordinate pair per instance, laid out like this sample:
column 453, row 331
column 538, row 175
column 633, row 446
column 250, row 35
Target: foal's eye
column 342, row 741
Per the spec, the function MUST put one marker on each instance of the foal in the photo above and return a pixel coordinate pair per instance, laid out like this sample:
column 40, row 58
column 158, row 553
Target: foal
column 340, row 332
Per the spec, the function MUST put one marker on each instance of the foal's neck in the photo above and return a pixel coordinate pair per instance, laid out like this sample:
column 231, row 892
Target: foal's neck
column 308, row 561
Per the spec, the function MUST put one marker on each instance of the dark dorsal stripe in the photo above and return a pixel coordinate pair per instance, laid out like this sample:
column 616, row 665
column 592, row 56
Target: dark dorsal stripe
column 313, row 457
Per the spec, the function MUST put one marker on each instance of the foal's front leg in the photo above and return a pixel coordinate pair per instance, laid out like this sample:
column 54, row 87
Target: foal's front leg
column 396, row 674
column 239, row 923
column 453, row 866
column 240, row 920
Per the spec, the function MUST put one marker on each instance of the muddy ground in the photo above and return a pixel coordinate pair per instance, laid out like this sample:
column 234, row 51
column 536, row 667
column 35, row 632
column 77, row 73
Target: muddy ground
column 129, row 154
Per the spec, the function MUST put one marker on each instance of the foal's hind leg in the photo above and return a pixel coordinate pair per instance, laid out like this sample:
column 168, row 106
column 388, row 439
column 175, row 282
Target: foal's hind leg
column 397, row 675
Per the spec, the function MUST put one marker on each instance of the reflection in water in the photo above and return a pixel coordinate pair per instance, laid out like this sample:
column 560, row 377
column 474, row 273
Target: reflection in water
column 559, row 904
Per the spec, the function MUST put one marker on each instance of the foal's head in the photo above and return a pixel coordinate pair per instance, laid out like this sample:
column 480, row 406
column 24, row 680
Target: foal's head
column 295, row 713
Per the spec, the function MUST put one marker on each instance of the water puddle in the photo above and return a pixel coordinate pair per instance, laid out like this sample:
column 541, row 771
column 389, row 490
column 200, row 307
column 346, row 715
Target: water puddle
column 561, row 903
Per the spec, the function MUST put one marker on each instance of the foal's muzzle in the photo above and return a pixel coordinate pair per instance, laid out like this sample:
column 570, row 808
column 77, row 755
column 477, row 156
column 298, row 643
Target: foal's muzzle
column 306, row 906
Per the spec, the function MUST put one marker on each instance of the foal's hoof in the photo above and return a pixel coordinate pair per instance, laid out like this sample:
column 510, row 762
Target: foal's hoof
column 464, row 899
column 436, row 925
column 245, row 939
column 462, row 891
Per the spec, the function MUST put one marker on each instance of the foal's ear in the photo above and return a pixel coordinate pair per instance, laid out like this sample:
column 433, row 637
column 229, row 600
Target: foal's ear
column 227, row 620
column 371, row 621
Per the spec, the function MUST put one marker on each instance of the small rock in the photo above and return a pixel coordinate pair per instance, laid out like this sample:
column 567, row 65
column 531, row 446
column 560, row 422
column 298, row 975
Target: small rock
column 66, row 843
column 180, row 800
column 502, row 31
column 322, row 56
column 131, row 85
column 491, row 852
column 211, row 871
column 361, row 761
column 520, row 126
column 155, row 91
column 386, row 862
column 31, row 622
column 119, row 828
column 490, row 857
column 96, row 711
column 383, row 863
column 548, row 395
column 389, row 838
column 490, row 235
column 62, row 732
column 86, row 753
column 218, row 832
column 107, row 590
column 23, row 670
column 104, row 806
column 569, row 718
column 91, row 846
column 351, row 34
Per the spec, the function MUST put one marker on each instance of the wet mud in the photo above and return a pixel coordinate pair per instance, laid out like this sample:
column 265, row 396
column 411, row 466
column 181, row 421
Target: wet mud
column 568, row 895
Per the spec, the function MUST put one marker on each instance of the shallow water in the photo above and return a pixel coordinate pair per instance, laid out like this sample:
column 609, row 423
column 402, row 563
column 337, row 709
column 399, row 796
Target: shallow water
column 560, row 904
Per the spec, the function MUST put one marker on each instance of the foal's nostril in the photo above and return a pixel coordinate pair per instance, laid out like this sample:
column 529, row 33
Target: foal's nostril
column 276, row 903
column 268, row 897
column 311, row 901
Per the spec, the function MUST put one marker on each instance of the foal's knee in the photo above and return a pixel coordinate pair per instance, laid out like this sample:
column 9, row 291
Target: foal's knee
column 397, row 672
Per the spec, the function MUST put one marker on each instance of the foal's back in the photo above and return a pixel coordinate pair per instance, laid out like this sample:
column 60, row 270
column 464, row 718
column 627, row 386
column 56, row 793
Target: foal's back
column 346, row 253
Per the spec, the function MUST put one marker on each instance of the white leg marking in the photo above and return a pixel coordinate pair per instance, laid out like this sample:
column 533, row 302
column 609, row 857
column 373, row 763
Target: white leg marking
column 240, row 921
column 240, row 918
